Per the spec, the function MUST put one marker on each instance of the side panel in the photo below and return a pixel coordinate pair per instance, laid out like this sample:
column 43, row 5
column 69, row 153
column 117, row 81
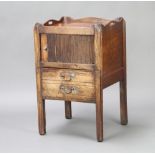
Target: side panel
column 112, row 47
column 113, row 53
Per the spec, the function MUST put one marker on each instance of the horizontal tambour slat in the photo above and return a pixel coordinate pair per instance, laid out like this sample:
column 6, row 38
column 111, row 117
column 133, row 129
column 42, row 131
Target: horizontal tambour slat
column 68, row 65
column 67, row 30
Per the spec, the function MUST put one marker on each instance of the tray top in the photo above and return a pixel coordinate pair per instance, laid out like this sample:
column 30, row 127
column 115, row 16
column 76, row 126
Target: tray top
column 82, row 22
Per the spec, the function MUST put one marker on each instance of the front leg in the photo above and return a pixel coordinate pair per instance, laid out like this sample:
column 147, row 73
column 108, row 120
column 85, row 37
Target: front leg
column 99, row 108
column 41, row 117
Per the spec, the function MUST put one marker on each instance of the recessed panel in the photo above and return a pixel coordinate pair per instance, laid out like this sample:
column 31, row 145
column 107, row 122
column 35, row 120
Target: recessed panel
column 70, row 48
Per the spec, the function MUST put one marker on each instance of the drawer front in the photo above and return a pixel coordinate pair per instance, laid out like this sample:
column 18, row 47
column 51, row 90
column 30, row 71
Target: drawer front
column 68, row 85
column 68, row 91
column 67, row 75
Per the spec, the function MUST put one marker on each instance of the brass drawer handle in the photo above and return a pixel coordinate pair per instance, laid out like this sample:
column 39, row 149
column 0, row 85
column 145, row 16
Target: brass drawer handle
column 68, row 89
column 67, row 76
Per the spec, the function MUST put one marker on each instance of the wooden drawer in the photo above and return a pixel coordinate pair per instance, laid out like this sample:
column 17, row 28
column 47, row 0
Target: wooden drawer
column 68, row 84
column 67, row 75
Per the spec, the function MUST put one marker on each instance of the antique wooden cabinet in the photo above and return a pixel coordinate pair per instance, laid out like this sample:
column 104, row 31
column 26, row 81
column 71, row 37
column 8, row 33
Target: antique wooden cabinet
column 75, row 60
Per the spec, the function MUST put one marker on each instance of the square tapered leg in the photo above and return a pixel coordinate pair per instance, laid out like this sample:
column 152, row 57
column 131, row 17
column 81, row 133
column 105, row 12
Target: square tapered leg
column 99, row 108
column 41, row 117
column 68, row 110
column 123, row 102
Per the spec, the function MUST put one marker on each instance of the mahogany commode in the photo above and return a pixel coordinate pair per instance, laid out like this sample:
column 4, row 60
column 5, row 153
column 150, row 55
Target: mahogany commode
column 75, row 60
